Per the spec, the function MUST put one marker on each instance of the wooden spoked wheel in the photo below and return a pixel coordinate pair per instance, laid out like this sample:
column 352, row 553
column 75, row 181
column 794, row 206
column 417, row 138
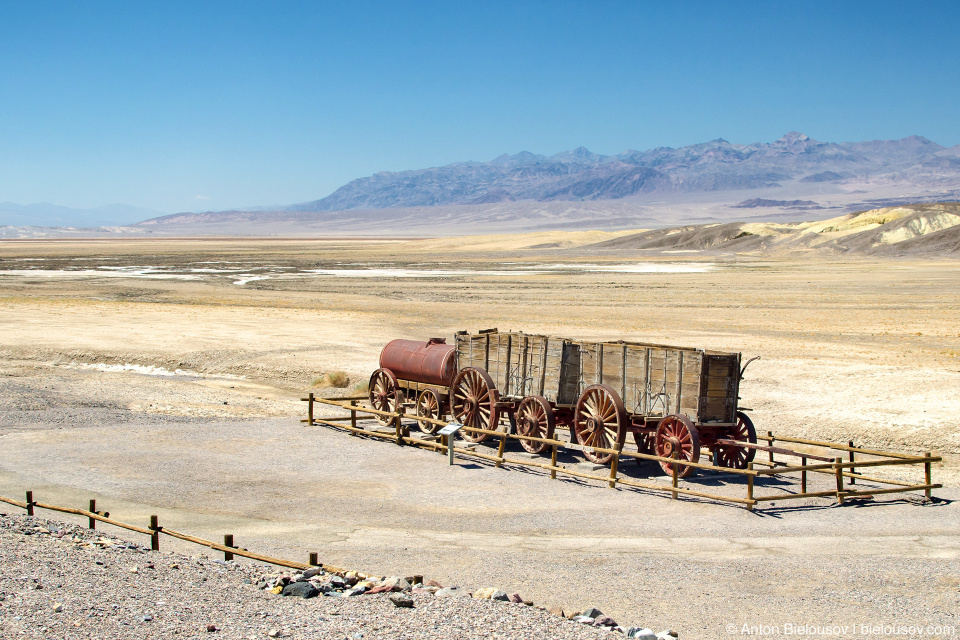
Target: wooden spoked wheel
column 384, row 393
column 428, row 406
column 599, row 421
column 676, row 433
column 734, row 457
column 535, row 418
column 473, row 403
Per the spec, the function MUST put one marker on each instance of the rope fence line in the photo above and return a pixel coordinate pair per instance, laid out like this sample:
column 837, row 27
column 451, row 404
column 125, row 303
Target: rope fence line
column 831, row 465
column 154, row 530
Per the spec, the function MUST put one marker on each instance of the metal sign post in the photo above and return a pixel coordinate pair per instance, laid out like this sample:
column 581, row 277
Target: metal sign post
column 449, row 433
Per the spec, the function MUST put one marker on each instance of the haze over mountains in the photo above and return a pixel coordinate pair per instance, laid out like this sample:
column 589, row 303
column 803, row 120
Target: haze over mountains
column 793, row 178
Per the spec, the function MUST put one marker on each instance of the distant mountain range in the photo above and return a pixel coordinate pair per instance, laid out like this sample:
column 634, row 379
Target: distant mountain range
column 703, row 183
column 581, row 175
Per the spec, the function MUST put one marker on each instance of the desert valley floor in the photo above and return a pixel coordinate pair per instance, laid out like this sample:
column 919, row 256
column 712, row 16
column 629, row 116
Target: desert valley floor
column 164, row 377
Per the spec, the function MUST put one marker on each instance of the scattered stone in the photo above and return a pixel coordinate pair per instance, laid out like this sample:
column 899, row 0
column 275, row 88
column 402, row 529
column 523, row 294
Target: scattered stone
column 382, row 588
column 557, row 611
column 211, row 628
column 414, row 579
column 275, row 633
column 312, row 571
column 639, row 633
column 449, row 592
column 604, row 621
column 592, row 612
column 396, row 583
column 516, row 598
column 433, row 583
column 302, row 589
column 57, row 608
column 668, row 633
column 500, row 596
column 354, row 591
column 486, row 593
column 423, row 592
column 401, row 600
column 276, row 590
column 337, row 582
column 582, row 619
column 146, row 618
column 134, row 570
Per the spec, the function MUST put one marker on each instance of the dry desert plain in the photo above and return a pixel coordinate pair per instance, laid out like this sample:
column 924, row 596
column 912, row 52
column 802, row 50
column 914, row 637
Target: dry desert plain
column 850, row 348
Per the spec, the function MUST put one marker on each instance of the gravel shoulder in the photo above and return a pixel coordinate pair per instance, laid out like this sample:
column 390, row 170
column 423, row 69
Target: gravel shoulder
column 64, row 581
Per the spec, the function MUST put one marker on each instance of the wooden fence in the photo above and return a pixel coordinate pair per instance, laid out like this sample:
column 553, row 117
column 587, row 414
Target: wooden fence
column 843, row 471
column 154, row 530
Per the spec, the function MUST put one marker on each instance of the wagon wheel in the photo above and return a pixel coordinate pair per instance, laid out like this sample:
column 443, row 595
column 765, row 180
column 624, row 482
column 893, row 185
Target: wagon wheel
column 473, row 402
column 599, row 421
column 677, row 433
column 735, row 457
column 384, row 393
column 535, row 418
column 428, row 406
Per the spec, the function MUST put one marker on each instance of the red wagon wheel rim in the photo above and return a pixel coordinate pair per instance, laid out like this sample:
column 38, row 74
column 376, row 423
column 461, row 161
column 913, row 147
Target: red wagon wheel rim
column 473, row 403
column 535, row 419
column 677, row 433
column 384, row 391
column 599, row 422
column 428, row 406
column 734, row 457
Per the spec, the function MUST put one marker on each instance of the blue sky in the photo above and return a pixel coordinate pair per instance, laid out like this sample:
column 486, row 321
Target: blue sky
column 212, row 105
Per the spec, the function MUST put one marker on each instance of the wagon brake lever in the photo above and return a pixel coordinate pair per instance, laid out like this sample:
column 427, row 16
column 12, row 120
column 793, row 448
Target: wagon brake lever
column 747, row 364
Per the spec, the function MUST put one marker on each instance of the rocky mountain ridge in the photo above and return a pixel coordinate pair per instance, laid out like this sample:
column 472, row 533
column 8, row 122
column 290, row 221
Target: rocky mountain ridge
column 718, row 165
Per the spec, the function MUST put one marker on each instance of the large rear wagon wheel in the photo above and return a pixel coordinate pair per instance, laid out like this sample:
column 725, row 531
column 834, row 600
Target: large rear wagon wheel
column 599, row 421
column 473, row 403
column 734, row 457
column 676, row 433
column 428, row 406
column 535, row 419
column 384, row 393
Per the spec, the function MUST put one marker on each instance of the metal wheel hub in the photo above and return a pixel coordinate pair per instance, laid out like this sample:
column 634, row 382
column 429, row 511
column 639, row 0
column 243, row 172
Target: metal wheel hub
column 669, row 446
column 591, row 424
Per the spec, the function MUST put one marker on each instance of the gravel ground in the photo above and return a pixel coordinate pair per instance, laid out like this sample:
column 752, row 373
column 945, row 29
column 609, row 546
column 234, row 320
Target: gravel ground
column 64, row 581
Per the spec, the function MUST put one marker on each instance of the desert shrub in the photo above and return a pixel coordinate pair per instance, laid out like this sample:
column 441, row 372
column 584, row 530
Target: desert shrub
column 338, row 379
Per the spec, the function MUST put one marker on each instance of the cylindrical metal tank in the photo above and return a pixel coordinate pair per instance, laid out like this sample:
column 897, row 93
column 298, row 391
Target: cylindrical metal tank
column 430, row 362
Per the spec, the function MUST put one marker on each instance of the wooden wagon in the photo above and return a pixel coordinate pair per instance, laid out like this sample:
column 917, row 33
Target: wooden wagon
column 673, row 400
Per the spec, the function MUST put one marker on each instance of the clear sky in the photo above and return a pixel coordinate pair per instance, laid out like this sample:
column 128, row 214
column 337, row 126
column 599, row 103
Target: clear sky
column 186, row 106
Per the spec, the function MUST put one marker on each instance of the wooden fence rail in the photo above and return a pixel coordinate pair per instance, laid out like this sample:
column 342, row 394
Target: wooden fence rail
column 154, row 530
column 831, row 465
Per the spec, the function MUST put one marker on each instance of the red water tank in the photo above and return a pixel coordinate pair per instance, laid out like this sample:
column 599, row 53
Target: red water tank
column 430, row 362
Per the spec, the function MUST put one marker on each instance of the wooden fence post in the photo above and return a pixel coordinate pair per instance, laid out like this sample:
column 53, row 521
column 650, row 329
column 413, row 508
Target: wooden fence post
column 803, row 474
column 613, row 469
column 30, row 503
column 398, row 428
column 928, row 476
column 676, row 472
column 228, row 542
column 501, row 448
column 353, row 414
column 839, row 471
column 750, row 487
column 91, row 522
column 553, row 463
column 313, row 561
column 310, row 408
column 155, row 537
column 771, row 439
column 852, row 459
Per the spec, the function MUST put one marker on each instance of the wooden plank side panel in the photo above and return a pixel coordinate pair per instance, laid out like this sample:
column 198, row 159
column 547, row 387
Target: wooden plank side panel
column 719, row 400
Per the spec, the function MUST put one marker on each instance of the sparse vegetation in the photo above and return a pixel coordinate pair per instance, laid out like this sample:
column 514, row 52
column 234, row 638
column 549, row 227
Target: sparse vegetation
column 336, row 379
column 743, row 234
